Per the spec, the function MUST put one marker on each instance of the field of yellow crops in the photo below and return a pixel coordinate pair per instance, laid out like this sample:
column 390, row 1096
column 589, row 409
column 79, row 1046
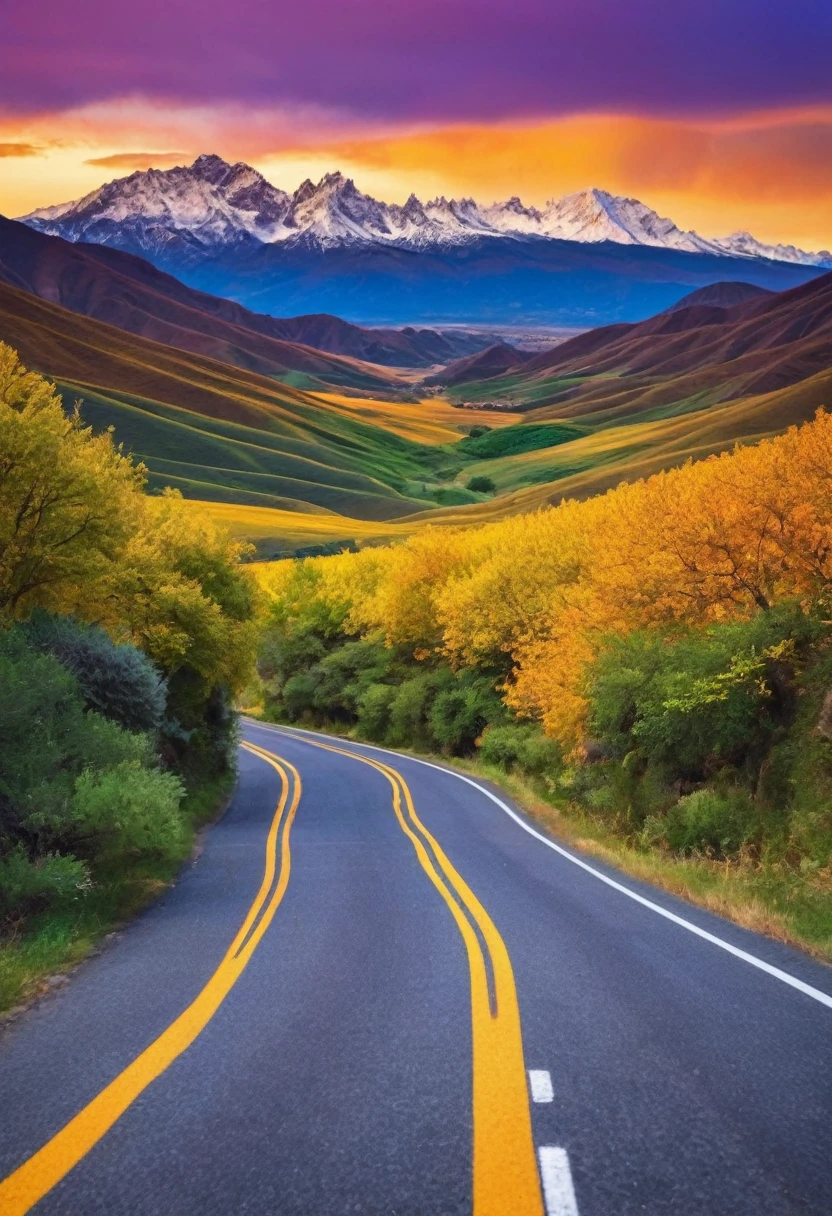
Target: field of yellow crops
column 432, row 420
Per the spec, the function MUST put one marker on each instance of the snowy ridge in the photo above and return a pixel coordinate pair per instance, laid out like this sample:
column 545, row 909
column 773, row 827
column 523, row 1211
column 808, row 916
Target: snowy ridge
column 211, row 204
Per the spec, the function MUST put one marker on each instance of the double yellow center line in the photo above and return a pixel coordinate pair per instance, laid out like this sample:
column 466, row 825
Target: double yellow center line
column 505, row 1176
column 20, row 1191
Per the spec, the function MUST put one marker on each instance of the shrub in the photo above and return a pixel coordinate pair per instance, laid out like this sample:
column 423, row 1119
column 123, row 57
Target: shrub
column 540, row 756
column 502, row 745
column 702, row 701
column 481, row 484
column 521, row 747
column 54, row 755
column 129, row 809
column 462, row 710
column 346, row 672
column 374, row 711
column 117, row 680
column 201, row 732
column 27, row 886
column 706, row 821
column 410, row 708
column 454, row 721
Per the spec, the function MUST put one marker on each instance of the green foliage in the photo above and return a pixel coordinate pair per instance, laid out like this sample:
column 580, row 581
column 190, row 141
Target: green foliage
column 77, row 790
column 719, row 825
column 201, row 732
column 512, row 440
column 312, row 673
column 28, row 886
column 476, row 432
column 460, row 714
column 128, row 808
column 116, row 680
column 523, row 748
column 712, row 742
column 702, row 701
column 374, row 705
column 481, row 484
column 411, row 710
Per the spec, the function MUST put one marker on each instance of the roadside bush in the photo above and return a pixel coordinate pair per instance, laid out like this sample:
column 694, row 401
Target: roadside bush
column 454, row 722
column 460, row 713
column 298, row 695
column 344, row 674
column 412, row 706
column 128, row 809
column 707, row 821
column 117, row 680
column 28, row 886
column 200, row 733
column 374, row 711
column 77, row 790
column 521, row 747
column 702, row 701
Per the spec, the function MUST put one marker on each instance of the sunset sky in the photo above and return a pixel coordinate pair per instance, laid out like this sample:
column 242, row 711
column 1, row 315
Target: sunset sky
column 718, row 113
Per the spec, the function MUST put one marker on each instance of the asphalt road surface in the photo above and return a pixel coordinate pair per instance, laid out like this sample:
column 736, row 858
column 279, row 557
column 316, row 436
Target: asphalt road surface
column 380, row 990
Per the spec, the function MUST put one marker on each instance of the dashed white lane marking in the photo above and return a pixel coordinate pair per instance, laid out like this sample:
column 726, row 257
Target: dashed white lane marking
column 558, row 1191
column 540, row 1082
column 823, row 998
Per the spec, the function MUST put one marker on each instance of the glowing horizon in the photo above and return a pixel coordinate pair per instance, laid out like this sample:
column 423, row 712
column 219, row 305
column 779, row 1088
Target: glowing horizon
column 716, row 114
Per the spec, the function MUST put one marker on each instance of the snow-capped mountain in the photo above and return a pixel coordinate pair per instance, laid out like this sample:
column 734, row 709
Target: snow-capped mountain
column 744, row 245
column 211, row 205
column 595, row 215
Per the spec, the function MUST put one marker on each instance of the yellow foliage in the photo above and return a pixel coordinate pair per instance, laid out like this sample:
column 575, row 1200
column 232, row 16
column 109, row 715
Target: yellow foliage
column 78, row 535
column 67, row 499
column 538, row 593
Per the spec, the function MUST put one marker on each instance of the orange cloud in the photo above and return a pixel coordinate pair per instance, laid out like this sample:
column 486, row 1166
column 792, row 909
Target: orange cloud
column 140, row 160
column 770, row 172
column 18, row 149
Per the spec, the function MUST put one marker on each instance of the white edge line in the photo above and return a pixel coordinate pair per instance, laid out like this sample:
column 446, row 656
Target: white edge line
column 540, row 1083
column 815, row 993
column 558, row 1188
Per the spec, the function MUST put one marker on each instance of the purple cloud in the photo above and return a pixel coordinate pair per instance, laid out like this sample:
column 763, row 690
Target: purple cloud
column 438, row 60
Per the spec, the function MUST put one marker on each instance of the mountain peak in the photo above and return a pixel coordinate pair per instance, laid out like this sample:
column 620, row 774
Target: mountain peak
column 208, row 160
column 212, row 203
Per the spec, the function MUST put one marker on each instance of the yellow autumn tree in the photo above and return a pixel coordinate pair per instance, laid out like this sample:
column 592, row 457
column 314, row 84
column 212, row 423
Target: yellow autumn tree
column 538, row 595
column 79, row 536
column 69, row 500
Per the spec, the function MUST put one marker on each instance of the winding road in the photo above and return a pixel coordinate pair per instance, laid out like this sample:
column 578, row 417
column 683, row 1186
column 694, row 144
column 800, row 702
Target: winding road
column 380, row 989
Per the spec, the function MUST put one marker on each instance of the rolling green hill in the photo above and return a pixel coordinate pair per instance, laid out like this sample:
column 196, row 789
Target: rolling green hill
column 216, row 431
column 294, row 469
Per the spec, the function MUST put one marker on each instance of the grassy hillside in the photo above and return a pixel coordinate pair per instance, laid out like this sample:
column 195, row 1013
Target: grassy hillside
column 594, row 462
column 217, row 431
column 223, row 433
column 279, row 533
column 432, row 421
column 296, row 468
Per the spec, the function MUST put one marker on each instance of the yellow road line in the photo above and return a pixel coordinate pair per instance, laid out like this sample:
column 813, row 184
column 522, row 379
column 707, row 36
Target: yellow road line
column 20, row 1191
column 505, row 1173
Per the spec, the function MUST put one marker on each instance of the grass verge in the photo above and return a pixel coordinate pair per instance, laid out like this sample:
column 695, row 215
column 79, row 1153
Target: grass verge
column 777, row 900
column 34, row 958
